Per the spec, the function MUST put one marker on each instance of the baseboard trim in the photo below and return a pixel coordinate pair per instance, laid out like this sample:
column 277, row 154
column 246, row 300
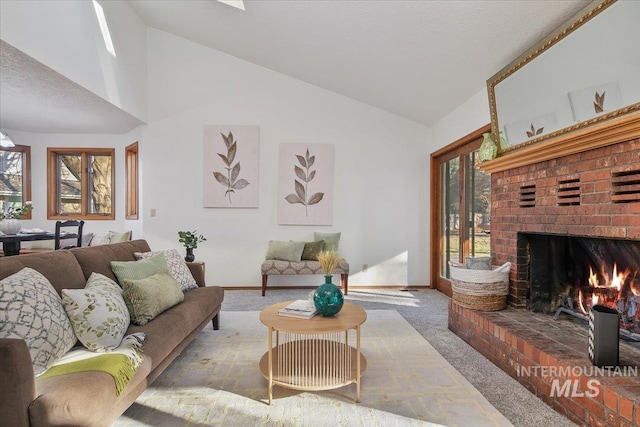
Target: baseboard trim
column 399, row 287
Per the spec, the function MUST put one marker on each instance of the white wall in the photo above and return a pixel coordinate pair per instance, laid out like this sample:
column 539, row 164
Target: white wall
column 65, row 36
column 381, row 162
column 39, row 143
column 466, row 118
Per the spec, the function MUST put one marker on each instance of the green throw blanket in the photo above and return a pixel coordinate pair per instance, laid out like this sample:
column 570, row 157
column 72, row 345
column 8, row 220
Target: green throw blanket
column 121, row 363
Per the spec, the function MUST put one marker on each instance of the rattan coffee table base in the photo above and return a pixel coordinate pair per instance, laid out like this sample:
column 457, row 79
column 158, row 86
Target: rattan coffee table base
column 320, row 353
column 313, row 364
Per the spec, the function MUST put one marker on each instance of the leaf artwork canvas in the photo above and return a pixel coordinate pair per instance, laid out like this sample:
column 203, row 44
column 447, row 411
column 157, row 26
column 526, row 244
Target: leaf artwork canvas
column 305, row 184
column 533, row 127
column 592, row 101
column 231, row 159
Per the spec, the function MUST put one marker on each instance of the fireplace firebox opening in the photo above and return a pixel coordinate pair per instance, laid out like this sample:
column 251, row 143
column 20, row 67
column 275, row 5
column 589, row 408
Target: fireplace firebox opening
column 571, row 274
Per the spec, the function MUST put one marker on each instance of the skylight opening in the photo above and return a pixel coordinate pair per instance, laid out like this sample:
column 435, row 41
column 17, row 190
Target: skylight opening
column 102, row 20
column 238, row 4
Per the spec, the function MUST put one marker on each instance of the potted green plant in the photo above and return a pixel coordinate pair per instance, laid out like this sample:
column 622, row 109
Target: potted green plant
column 190, row 240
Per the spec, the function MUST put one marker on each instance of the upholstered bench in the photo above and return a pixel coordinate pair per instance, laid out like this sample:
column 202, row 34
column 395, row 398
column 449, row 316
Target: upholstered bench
column 273, row 267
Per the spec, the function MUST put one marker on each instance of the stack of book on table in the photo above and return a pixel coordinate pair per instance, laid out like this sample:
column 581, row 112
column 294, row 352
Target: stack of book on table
column 300, row 309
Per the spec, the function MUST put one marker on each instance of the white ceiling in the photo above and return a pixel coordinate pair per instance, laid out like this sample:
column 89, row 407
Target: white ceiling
column 417, row 59
column 38, row 99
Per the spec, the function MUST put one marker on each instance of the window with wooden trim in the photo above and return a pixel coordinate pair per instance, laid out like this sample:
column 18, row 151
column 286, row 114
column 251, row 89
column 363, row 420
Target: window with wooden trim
column 80, row 183
column 131, row 198
column 15, row 177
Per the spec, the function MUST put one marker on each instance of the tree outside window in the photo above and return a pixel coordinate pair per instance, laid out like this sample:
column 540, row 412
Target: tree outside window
column 80, row 183
column 15, row 177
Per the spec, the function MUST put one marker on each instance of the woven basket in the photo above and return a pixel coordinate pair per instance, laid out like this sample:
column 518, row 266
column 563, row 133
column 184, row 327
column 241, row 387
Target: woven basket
column 484, row 290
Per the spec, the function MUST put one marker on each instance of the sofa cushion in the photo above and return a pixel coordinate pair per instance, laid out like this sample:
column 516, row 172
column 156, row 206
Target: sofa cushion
column 63, row 399
column 170, row 328
column 177, row 267
column 148, row 297
column 31, row 309
column 277, row 268
column 50, row 244
column 98, row 313
column 49, row 264
column 97, row 259
column 331, row 240
column 286, row 251
column 311, row 250
column 84, row 398
column 136, row 270
column 99, row 239
column 86, row 240
column 40, row 244
column 115, row 237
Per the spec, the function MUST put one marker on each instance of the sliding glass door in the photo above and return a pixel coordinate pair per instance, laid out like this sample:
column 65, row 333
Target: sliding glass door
column 461, row 224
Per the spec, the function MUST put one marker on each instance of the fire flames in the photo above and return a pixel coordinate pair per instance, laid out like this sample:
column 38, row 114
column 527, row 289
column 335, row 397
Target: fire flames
column 615, row 289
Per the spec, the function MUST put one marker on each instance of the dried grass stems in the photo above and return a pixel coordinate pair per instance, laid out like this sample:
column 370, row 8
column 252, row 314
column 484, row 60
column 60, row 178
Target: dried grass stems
column 328, row 261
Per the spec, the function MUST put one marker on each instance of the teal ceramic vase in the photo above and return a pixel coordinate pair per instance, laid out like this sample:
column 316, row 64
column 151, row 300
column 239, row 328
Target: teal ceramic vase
column 328, row 298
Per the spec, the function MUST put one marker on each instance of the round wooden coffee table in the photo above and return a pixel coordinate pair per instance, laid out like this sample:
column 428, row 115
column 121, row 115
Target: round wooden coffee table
column 313, row 354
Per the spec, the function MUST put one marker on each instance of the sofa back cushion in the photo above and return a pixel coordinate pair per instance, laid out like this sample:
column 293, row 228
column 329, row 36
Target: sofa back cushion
column 97, row 259
column 59, row 267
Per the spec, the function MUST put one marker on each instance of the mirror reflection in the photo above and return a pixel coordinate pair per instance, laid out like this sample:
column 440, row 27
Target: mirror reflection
column 592, row 72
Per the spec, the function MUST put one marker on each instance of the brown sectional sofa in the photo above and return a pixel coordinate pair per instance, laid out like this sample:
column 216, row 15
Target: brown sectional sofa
column 89, row 398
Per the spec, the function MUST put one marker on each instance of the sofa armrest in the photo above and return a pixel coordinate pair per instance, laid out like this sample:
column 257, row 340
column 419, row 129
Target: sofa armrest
column 18, row 383
column 197, row 271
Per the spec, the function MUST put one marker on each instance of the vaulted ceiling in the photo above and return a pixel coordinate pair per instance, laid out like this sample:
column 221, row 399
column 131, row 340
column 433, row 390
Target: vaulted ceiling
column 417, row 59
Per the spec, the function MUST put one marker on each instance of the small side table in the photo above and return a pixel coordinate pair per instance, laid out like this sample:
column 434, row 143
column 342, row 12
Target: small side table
column 313, row 354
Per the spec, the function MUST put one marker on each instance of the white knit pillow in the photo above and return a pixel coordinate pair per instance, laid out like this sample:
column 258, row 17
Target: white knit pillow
column 31, row 309
column 98, row 313
column 177, row 268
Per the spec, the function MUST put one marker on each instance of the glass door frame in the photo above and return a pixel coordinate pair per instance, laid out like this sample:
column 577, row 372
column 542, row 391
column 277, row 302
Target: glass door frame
column 462, row 146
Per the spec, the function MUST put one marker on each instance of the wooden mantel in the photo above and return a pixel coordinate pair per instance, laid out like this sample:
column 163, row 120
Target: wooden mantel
column 588, row 138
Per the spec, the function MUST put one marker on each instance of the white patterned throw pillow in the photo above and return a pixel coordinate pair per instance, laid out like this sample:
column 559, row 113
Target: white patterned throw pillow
column 98, row 313
column 31, row 309
column 177, row 267
column 99, row 239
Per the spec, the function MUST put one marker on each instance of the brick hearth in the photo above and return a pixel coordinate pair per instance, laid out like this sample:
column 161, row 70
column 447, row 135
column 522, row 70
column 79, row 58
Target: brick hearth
column 514, row 338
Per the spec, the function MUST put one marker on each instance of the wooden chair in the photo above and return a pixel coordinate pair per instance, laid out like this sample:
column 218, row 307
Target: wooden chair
column 64, row 224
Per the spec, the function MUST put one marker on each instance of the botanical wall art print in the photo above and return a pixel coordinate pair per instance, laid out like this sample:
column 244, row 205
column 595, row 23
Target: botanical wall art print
column 533, row 127
column 305, row 184
column 231, row 159
column 592, row 101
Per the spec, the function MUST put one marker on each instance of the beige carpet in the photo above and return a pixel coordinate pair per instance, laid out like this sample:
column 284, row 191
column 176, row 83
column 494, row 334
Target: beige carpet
column 216, row 382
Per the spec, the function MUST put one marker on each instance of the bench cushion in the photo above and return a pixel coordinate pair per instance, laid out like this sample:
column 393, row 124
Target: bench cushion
column 278, row 267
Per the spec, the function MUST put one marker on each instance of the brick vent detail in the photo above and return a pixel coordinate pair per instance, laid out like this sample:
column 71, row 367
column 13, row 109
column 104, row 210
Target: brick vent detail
column 604, row 189
column 513, row 339
column 626, row 186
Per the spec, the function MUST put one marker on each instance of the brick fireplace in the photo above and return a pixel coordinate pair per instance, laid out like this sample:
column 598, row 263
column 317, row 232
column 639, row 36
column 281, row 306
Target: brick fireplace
column 593, row 194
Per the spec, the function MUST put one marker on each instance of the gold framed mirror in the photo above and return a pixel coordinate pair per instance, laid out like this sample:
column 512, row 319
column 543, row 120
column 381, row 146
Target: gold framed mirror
column 584, row 72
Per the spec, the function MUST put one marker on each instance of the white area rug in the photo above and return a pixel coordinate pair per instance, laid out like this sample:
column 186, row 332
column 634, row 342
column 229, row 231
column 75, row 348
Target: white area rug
column 217, row 381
